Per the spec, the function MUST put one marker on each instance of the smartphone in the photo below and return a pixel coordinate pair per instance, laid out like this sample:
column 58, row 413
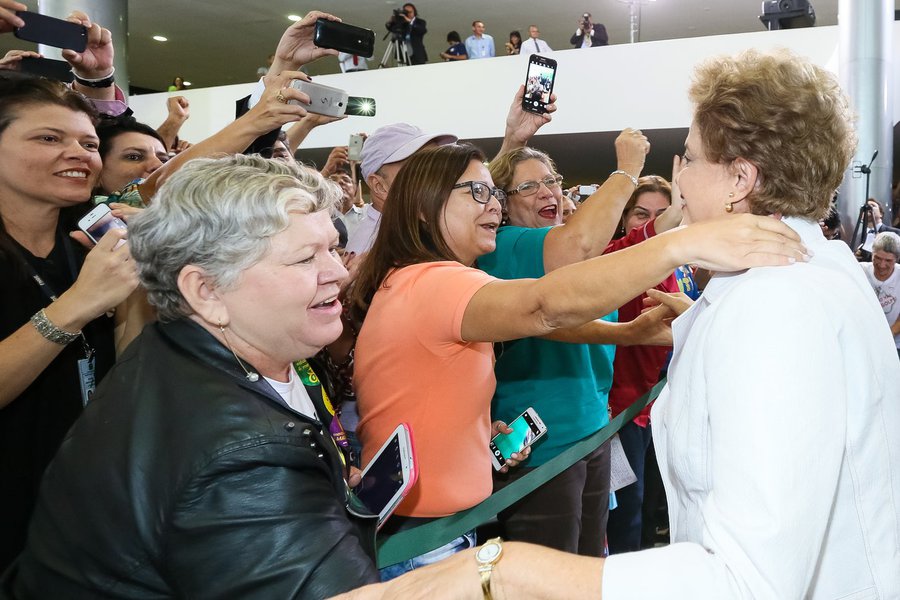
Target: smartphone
column 323, row 100
column 51, row 31
column 98, row 222
column 586, row 190
column 538, row 83
column 58, row 70
column 344, row 38
column 354, row 148
column 390, row 475
column 527, row 428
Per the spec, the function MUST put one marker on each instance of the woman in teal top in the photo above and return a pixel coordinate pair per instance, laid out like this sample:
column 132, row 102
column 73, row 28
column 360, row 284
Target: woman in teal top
column 566, row 383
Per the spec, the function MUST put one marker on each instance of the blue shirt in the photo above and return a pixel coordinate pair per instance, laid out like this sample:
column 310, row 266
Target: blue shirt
column 457, row 49
column 567, row 384
column 480, row 48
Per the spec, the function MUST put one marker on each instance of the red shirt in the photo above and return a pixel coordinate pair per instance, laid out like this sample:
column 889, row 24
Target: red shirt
column 636, row 368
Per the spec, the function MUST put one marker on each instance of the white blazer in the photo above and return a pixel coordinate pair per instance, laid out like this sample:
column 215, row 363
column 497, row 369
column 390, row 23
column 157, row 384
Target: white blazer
column 778, row 440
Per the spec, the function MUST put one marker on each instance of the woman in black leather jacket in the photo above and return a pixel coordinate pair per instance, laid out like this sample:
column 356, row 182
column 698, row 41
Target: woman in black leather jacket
column 205, row 467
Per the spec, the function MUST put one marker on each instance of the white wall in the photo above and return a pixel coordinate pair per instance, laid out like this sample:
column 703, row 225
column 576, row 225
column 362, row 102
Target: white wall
column 600, row 89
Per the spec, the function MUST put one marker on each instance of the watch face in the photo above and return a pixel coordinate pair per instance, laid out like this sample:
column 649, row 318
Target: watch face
column 488, row 552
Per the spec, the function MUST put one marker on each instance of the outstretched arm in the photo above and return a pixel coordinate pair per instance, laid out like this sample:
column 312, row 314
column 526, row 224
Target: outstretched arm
column 581, row 292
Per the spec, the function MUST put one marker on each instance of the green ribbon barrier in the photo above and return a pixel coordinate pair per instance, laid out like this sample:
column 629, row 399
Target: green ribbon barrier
column 424, row 538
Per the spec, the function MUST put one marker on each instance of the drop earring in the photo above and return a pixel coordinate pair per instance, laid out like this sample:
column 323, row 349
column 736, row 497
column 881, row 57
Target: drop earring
column 251, row 376
column 729, row 206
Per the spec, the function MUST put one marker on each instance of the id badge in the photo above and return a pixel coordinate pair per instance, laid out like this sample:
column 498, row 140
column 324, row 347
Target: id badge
column 87, row 379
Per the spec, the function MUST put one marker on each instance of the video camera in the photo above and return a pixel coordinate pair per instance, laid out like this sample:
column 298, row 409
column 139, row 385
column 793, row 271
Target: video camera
column 398, row 23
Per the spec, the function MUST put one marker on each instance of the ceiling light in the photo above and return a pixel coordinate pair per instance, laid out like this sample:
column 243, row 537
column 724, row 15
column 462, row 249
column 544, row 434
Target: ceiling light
column 160, row 38
column 294, row 17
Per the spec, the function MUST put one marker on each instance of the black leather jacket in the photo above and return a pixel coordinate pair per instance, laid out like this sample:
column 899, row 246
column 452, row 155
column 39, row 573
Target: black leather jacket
column 183, row 479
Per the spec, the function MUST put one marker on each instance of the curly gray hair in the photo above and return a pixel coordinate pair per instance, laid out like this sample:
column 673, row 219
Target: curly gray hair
column 219, row 214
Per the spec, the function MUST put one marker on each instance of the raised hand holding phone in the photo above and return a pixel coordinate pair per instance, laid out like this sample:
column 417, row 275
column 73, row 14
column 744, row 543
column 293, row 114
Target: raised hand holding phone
column 296, row 47
column 95, row 60
column 539, row 81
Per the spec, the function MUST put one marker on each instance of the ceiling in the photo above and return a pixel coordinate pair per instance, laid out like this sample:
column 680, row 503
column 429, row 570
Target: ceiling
column 221, row 42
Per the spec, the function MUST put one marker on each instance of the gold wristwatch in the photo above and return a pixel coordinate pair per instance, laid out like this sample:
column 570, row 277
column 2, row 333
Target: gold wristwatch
column 486, row 557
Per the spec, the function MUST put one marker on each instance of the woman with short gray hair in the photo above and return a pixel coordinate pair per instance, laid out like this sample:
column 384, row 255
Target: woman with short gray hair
column 212, row 439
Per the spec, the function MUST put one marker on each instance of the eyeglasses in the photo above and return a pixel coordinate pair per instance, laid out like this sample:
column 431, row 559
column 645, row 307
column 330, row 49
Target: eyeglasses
column 482, row 192
column 527, row 188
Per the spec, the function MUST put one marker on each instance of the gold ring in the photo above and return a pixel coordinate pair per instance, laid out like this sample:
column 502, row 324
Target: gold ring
column 280, row 97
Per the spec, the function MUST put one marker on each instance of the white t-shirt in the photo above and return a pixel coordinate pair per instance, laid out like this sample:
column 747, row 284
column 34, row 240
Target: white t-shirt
column 888, row 293
column 294, row 393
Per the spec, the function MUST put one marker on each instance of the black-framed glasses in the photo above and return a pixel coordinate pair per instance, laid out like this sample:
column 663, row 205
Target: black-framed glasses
column 482, row 192
column 527, row 188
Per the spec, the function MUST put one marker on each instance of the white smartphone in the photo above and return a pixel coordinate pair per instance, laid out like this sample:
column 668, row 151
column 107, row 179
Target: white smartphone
column 390, row 475
column 354, row 148
column 527, row 428
column 98, row 222
column 586, row 190
column 323, row 100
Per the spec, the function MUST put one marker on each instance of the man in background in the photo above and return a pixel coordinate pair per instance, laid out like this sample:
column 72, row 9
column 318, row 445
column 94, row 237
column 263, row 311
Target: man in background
column 479, row 44
column 534, row 45
column 589, row 34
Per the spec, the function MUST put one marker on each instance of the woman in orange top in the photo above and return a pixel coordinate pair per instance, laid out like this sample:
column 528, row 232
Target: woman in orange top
column 424, row 354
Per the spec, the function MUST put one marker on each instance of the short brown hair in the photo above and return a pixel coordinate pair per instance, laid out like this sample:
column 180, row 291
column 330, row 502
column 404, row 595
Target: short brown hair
column 410, row 231
column 783, row 114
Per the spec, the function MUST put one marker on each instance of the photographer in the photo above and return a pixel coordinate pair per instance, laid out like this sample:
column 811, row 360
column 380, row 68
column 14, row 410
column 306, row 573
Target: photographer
column 589, row 34
column 406, row 23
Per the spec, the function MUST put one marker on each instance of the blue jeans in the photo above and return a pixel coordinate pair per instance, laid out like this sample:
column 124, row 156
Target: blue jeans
column 463, row 542
column 623, row 532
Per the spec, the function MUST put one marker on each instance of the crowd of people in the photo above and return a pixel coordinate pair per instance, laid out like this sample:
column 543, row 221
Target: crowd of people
column 185, row 404
column 408, row 30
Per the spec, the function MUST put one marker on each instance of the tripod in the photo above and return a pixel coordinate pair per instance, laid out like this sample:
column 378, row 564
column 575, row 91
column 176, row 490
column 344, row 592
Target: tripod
column 397, row 50
column 865, row 211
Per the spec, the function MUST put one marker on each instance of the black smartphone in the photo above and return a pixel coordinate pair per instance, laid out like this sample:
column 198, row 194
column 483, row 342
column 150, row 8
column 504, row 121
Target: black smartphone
column 538, row 83
column 51, row 31
column 344, row 38
column 59, row 70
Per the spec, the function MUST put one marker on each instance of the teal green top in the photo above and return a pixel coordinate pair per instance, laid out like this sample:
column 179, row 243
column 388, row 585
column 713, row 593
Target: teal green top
column 567, row 384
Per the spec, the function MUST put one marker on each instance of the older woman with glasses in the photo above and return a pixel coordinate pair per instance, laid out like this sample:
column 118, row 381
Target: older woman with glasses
column 428, row 318
column 570, row 511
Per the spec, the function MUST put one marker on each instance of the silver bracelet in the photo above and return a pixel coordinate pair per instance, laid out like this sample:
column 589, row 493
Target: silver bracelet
column 634, row 180
column 51, row 332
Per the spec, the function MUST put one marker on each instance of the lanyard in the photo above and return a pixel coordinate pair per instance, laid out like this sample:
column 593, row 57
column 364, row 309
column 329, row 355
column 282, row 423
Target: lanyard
column 311, row 380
